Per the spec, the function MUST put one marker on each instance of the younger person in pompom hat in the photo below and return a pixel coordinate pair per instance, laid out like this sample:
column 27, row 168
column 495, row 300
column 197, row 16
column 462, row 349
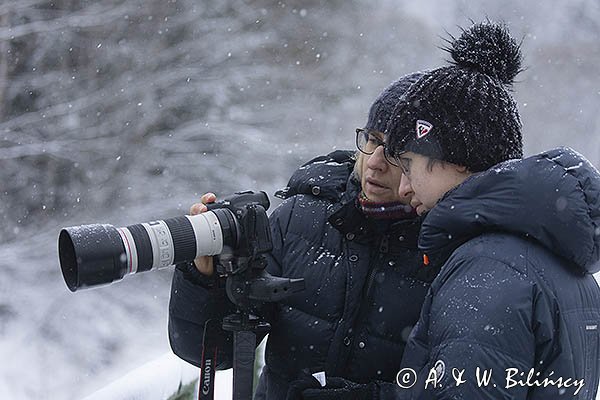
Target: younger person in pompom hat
column 516, row 240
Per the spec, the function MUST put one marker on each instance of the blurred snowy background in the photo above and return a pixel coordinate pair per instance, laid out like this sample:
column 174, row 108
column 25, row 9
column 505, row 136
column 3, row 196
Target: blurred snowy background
column 124, row 111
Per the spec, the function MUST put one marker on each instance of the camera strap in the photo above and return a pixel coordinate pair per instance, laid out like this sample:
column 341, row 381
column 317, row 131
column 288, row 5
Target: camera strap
column 206, row 386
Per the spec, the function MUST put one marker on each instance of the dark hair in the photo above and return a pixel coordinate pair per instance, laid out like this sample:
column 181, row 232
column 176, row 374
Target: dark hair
column 431, row 163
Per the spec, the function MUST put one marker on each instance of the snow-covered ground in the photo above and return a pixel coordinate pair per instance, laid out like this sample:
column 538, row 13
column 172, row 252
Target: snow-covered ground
column 160, row 379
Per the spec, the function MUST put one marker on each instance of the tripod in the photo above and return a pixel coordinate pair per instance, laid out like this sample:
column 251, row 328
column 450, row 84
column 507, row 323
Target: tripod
column 245, row 326
column 248, row 286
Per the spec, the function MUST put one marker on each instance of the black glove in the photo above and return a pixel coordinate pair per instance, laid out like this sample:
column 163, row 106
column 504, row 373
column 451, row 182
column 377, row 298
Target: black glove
column 300, row 385
column 336, row 389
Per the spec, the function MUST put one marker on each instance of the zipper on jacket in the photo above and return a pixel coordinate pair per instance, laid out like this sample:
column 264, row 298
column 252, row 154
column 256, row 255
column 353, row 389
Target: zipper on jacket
column 383, row 249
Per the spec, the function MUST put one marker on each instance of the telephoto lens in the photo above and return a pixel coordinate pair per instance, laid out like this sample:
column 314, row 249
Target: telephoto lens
column 99, row 254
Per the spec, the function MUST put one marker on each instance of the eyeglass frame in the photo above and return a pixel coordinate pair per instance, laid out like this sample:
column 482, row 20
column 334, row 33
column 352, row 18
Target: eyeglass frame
column 386, row 153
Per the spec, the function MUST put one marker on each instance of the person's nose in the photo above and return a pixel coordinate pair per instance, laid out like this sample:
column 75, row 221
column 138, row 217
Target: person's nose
column 405, row 190
column 377, row 160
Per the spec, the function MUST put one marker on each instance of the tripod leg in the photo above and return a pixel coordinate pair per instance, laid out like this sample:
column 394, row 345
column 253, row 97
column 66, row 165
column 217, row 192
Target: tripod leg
column 244, row 345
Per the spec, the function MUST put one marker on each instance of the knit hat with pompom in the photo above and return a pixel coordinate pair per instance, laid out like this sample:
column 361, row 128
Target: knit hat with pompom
column 463, row 113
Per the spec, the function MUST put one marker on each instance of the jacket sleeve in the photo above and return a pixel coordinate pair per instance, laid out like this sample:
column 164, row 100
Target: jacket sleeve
column 475, row 324
column 279, row 221
column 193, row 303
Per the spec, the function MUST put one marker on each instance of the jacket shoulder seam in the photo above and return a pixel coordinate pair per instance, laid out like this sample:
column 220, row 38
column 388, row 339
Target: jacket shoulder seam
column 495, row 259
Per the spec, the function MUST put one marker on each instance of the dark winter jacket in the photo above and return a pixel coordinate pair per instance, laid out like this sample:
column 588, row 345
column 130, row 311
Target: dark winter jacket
column 365, row 284
column 518, row 244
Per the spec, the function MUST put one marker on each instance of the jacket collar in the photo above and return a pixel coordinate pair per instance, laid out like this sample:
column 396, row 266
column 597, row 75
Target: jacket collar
column 551, row 197
column 347, row 218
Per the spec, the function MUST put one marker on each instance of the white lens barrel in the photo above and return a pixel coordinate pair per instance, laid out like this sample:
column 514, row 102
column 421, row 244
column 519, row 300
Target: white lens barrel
column 152, row 245
column 209, row 236
column 163, row 251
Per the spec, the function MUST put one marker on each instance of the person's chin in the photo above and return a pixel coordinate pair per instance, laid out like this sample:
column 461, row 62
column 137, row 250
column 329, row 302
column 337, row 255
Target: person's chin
column 375, row 192
column 377, row 197
column 421, row 210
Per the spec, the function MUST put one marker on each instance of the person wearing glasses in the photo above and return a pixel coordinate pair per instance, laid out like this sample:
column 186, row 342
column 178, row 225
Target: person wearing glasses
column 345, row 229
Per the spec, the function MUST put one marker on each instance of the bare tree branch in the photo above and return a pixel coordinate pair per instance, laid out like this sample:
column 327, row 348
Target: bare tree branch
column 85, row 19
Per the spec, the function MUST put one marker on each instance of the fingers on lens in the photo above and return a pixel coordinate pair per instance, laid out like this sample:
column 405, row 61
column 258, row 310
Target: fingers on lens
column 208, row 198
column 197, row 208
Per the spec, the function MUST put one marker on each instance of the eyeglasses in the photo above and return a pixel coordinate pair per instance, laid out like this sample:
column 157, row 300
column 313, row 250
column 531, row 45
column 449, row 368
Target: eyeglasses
column 367, row 142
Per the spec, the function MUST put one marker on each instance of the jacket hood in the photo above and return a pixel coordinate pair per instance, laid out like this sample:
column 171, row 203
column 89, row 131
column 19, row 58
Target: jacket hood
column 553, row 197
column 324, row 176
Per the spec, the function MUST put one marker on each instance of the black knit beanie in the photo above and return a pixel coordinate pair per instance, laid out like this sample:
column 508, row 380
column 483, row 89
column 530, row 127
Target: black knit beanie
column 463, row 113
column 384, row 104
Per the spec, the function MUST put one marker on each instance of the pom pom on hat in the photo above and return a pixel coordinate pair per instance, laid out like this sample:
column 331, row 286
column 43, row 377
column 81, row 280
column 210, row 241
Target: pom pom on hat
column 463, row 113
column 489, row 49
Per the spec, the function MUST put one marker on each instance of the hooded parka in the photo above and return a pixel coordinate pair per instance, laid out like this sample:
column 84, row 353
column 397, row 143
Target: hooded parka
column 515, row 298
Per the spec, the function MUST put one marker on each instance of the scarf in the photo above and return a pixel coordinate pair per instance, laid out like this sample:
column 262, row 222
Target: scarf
column 385, row 210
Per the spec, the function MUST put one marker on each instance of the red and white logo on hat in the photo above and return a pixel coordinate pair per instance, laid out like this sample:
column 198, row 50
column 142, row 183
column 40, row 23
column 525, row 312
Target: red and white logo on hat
column 423, row 128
